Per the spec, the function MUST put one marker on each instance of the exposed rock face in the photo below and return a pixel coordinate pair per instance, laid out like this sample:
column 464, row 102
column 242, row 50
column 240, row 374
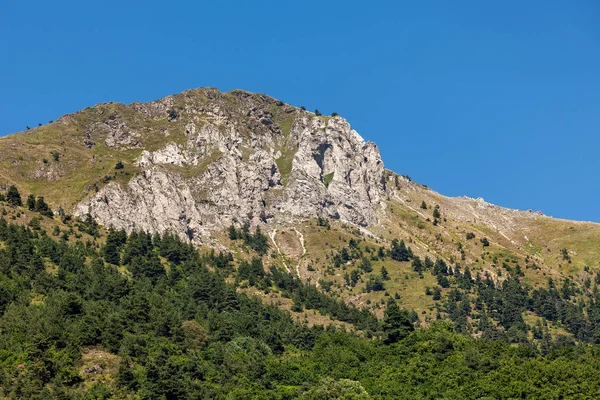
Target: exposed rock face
column 245, row 157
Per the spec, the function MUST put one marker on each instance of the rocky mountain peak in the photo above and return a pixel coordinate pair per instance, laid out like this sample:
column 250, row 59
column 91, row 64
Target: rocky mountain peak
column 208, row 159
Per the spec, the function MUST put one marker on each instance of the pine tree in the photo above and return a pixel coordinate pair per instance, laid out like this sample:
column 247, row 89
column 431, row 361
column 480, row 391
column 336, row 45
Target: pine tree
column 31, row 202
column 399, row 251
column 42, row 207
column 13, row 196
column 232, row 233
column 384, row 274
column 396, row 323
column 417, row 264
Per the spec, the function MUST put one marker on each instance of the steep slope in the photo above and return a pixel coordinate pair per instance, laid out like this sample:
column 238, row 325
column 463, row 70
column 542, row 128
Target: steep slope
column 196, row 162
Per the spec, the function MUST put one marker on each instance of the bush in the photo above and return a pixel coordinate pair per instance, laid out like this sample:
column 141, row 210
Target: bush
column 31, row 202
column 56, row 156
column 470, row 235
column 42, row 207
column 485, row 242
column 13, row 196
column 119, row 165
column 334, row 114
column 423, row 205
column 317, row 113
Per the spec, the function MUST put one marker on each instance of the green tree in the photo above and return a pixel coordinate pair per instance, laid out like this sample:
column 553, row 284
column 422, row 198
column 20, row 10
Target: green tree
column 43, row 208
column 331, row 389
column 396, row 323
column 30, row 202
column 384, row 273
column 232, row 233
column 399, row 251
column 13, row 196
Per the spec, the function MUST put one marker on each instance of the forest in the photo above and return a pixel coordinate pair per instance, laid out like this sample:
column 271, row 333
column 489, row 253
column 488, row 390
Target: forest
column 174, row 325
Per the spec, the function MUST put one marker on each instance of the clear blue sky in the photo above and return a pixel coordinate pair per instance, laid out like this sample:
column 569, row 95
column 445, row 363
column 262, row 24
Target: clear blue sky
column 493, row 99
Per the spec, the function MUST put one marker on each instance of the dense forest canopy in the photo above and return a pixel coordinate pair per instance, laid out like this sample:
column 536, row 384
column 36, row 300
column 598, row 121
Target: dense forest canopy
column 93, row 314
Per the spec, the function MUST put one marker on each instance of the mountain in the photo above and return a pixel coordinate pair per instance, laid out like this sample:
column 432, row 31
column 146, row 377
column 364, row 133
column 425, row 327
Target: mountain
column 229, row 245
column 196, row 163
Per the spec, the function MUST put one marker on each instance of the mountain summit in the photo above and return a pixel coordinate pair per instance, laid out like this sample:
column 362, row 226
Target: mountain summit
column 199, row 161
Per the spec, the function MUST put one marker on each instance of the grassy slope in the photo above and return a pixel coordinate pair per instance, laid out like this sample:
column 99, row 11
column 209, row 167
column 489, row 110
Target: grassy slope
column 534, row 242
column 530, row 240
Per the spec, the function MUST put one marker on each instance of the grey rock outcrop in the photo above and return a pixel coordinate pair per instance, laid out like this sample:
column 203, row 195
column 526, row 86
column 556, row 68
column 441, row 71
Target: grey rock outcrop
column 245, row 157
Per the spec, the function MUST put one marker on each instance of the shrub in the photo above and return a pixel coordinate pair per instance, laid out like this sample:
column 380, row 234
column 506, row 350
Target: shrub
column 334, row 114
column 317, row 113
column 42, row 207
column 423, row 205
column 56, row 155
column 485, row 242
column 172, row 115
column 470, row 235
column 31, row 202
column 13, row 196
column 119, row 165
column 327, row 178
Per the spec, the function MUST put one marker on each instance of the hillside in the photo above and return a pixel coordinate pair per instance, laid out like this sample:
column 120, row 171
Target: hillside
column 196, row 163
column 90, row 314
column 218, row 230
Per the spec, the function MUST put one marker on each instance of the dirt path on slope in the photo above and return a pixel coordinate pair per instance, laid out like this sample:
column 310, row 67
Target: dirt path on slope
column 272, row 236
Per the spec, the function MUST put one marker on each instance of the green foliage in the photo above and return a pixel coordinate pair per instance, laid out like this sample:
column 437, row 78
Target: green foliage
column 13, row 197
column 331, row 389
column 114, row 244
column 257, row 241
column 232, row 232
column 119, row 165
column 396, row 323
column 470, row 235
column 181, row 332
column 400, row 252
column 42, row 207
column 323, row 222
column 327, row 178
column 423, row 205
column 317, row 113
column 485, row 242
column 30, row 202
column 436, row 212
column 56, row 156
column 88, row 225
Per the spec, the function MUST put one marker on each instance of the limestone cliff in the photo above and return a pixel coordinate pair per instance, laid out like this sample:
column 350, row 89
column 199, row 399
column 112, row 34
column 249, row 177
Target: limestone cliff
column 227, row 158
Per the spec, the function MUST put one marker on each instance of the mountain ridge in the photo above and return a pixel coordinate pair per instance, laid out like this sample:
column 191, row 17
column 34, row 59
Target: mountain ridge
column 200, row 161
